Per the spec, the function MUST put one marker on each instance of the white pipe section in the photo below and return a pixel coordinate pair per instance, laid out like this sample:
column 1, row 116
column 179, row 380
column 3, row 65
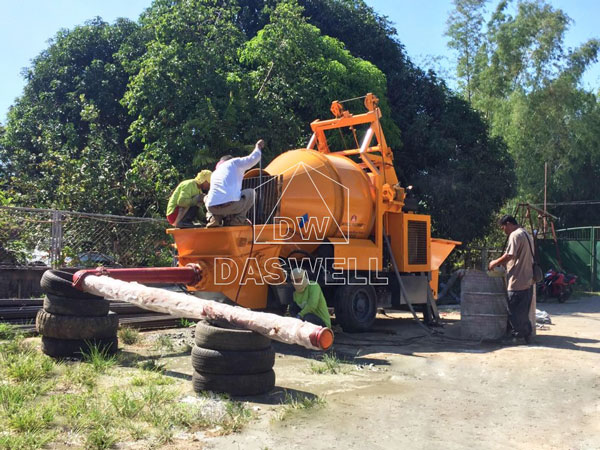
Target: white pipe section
column 284, row 329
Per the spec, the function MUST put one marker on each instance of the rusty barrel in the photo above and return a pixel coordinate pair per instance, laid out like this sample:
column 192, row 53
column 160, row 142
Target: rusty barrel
column 483, row 306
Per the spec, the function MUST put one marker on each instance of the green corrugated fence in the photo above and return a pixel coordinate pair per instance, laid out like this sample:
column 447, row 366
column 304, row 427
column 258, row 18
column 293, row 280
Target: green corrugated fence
column 579, row 249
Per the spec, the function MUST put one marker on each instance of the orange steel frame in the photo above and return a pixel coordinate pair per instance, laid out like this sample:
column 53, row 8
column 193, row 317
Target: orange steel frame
column 205, row 246
column 377, row 158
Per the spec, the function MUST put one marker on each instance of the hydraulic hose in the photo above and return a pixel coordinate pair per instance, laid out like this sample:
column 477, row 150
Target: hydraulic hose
column 402, row 288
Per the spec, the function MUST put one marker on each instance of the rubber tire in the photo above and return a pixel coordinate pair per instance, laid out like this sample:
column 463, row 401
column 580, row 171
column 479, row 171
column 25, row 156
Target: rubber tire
column 205, row 360
column 76, row 327
column 565, row 294
column 62, row 348
column 59, row 282
column 216, row 336
column 348, row 313
column 68, row 306
column 237, row 385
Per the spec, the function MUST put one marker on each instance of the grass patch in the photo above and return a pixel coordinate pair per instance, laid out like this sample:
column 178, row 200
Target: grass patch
column 185, row 323
column 329, row 363
column 14, row 396
column 17, row 346
column 164, row 342
column 151, row 379
column 152, row 365
column 28, row 441
column 28, row 366
column 136, row 432
column 81, row 375
column 7, row 331
column 216, row 412
column 101, row 438
column 31, row 418
column 126, row 404
column 99, row 358
column 292, row 404
column 129, row 336
column 99, row 403
column 237, row 415
column 156, row 396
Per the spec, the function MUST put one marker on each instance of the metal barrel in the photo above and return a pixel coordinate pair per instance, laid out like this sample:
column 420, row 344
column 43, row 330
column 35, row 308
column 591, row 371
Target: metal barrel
column 483, row 307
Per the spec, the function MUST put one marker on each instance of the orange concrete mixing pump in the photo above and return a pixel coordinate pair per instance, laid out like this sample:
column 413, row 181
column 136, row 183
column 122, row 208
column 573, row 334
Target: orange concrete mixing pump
column 339, row 214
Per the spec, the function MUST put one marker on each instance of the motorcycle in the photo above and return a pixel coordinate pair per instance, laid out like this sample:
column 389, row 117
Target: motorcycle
column 557, row 285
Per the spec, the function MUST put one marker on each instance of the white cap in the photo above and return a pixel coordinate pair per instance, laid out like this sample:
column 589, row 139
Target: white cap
column 299, row 279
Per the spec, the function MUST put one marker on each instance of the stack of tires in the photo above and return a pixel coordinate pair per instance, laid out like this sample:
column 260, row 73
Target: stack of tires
column 232, row 361
column 72, row 321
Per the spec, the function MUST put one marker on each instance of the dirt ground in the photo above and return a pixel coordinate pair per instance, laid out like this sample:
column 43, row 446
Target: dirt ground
column 402, row 389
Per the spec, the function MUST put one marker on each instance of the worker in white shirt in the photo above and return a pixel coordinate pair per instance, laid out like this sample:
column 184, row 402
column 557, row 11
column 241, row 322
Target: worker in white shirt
column 226, row 202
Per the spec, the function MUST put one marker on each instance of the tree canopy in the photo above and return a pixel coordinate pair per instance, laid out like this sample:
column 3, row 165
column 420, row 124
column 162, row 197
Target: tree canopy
column 64, row 143
column 516, row 70
column 113, row 116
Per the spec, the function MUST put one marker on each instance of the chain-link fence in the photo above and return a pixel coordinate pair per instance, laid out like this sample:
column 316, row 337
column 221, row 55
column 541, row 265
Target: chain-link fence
column 56, row 238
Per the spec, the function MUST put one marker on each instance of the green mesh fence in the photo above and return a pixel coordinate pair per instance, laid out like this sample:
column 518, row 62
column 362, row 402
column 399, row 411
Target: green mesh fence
column 55, row 238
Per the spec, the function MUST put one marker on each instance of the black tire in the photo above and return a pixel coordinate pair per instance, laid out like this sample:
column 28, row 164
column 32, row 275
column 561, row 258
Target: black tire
column 62, row 348
column 67, row 306
column 239, row 385
column 565, row 294
column 76, row 327
column 59, row 282
column 205, row 360
column 355, row 307
column 217, row 336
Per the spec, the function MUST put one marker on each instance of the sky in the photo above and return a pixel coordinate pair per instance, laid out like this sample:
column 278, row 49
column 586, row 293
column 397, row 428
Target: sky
column 27, row 25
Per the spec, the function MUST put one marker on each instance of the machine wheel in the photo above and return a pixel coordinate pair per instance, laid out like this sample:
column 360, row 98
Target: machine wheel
column 61, row 348
column 68, row 306
column 355, row 307
column 232, row 362
column 219, row 336
column 246, row 384
column 565, row 294
column 59, row 282
column 76, row 327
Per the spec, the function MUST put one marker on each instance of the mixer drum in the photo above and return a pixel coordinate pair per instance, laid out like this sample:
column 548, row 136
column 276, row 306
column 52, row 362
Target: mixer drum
column 324, row 195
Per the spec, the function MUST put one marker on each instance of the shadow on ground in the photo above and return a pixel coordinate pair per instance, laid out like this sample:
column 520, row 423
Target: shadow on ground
column 402, row 335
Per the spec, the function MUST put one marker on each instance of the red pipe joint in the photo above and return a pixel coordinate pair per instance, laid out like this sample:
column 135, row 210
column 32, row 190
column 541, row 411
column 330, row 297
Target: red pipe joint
column 322, row 338
column 191, row 274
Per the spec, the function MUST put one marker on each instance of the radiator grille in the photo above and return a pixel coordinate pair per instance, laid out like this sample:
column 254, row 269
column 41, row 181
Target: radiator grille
column 268, row 191
column 417, row 242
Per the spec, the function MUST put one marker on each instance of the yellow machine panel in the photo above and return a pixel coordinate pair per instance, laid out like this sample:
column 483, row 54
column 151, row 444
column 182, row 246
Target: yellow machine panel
column 410, row 237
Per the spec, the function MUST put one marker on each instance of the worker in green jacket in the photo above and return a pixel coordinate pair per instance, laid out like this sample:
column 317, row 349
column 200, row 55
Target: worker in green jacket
column 186, row 200
column 309, row 302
